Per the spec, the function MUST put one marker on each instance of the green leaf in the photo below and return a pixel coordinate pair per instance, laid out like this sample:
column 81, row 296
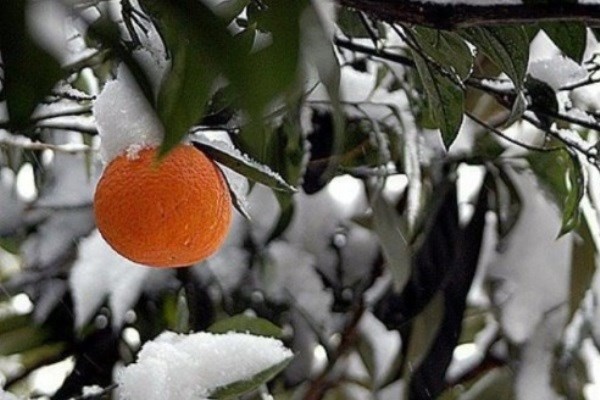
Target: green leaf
column 238, row 388
column 494, row 385
column 29, row 71
column 583, row 266
column 222, row 153
column 448, row 49
column 350, row 23
column 246, row 324
column 569, row 37
column 423, row 332
column 22, row 339
column 392, row 232
column 561, row 174
column 229, row 9
column 507, row 46
column 507, row 202
column 200, row 44
column 445, row 99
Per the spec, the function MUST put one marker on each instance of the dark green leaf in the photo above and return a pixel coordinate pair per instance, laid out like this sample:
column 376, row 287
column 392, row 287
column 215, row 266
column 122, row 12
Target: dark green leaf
column 507, row 46
column 583, row 266
column 236, row 389
column 229, row 9
column 445, row 99
column 392, row 232
column 423, row 332
column 507, row 202
column 541, row 94
column 448, row 49
column 22, row 339
column 228, row 156
column 199, row 44
column 560, row 173
column 497, row 384
column 570, row 37
column 246, row 324
column 286, row 205
column 351, row 24
column 29, row 71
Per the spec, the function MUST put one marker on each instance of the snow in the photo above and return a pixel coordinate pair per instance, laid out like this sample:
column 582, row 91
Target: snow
column 7, row 395
column 519, row 274
column 56, row 235
column 557, row 71
column 124, row 117
column 101, row 273
column 291, row 273
column 190, row 367
column 12, row 207
column 70, row 184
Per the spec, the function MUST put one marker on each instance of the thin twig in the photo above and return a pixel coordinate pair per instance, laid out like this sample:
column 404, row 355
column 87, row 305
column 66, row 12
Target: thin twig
column 26, row 144
column 447, row 15
column 508, row 138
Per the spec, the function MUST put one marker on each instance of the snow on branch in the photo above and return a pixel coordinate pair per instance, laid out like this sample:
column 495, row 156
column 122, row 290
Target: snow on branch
column 448, row 14
column 196, row 366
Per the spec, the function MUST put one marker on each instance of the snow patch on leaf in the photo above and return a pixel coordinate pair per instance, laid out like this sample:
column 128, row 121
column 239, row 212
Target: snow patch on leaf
column 185, row 367
column 557, row 71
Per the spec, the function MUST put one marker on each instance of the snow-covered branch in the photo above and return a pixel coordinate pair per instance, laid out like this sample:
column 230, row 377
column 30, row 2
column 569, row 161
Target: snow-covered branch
column 448, row 14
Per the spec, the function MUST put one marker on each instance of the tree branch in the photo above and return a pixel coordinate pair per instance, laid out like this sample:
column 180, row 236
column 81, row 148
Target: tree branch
column 453, row 16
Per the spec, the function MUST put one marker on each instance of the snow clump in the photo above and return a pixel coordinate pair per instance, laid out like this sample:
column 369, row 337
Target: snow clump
column 185, row 367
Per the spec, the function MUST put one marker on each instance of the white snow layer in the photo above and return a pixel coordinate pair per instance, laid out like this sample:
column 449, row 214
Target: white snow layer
column 190, row 367
column 124, row 117
column 7, row 395
column 100, row 272
column 523, row 285
column 557, row 71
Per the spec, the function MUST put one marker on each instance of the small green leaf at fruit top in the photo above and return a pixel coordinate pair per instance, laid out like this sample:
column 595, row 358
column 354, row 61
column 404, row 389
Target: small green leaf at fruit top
column 243, row 323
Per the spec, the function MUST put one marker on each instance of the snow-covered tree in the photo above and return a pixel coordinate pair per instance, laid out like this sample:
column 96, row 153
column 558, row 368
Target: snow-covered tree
column 416, row 188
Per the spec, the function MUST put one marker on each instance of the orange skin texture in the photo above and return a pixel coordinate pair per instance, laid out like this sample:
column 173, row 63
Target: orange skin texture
column 169, row 213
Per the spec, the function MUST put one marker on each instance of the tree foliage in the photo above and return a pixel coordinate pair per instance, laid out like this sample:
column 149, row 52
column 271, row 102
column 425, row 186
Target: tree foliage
column 409, row 188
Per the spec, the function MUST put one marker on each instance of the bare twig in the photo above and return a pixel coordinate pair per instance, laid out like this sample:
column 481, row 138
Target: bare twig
column 26, row 144
column 453, row 16
column 508, row 138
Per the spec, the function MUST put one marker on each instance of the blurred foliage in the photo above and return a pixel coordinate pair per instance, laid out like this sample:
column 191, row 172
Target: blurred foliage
column 387, row 168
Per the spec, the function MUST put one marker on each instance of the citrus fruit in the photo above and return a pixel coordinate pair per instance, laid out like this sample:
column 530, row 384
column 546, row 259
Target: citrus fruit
column 168, row 213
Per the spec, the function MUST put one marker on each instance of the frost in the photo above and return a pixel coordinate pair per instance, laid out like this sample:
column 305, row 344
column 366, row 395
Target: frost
column 558, row 71
column 101, row 273
column 190, row 367
column 124, row 117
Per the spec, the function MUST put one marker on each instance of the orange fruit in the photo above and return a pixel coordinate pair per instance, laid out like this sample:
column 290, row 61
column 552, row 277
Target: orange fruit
column 168, row 213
